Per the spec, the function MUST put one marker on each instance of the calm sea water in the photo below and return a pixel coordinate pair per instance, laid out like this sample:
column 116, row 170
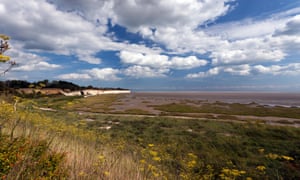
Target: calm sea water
column 271, row 99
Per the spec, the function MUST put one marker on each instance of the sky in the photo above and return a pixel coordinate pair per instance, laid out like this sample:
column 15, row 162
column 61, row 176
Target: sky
column 156, row 45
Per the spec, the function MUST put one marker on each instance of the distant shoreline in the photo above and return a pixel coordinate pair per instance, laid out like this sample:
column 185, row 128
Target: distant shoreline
column 227, row 92
column 263, row 98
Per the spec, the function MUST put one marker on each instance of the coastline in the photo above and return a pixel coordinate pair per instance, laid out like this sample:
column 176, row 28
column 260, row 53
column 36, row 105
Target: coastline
column 284, row 99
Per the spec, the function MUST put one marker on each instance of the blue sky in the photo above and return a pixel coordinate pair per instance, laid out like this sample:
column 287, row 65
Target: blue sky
column 208, row 45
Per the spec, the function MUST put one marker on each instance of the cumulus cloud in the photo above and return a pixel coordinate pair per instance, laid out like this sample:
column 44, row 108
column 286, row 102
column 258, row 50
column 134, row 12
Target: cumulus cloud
column 79, row 28
column 241, row 70
column 161, row 61
column 105, row 74
column 143, row 14
column 189, row 62
column 144, row 72
column 37, row 67
column 211, row 72
column 289, row 69
column 253, row 50
column 52, row 27
column 74, row 76
column 28, row 61
column 152, row 60
column 246, row 69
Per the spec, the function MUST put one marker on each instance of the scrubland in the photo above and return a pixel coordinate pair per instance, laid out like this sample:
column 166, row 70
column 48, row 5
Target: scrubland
column 83, row 138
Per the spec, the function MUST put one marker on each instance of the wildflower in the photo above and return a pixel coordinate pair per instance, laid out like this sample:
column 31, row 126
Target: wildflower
column 191, row 155
column 81, row 173
column 192, row 164
column 151, row 145
column 155, row 174
column 156, row 158
column 235, row 172
column 106, row 173
column 142, row 161
column 101, row 158
column 288, row 158
column 153, row 153
column 261, row 150
column 272, row 156
column 261, row 168
column 242, row 172
column 225, row 170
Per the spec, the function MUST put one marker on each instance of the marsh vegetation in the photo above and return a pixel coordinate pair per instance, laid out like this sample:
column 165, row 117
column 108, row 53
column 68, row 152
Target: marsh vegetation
column 80, row 138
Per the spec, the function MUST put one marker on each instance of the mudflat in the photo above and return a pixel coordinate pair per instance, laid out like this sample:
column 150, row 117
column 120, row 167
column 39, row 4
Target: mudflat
column 263, row 98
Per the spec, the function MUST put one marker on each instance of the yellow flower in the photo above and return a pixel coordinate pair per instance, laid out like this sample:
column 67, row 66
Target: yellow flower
column 191, row 155
column 261, row 150
column 235, row 172
column 142, row 161
column 153, row 153
column 261, row 168
column 272, row 156
column 192, row 164
column 81, row 173
column 225, row 170
column 242, row 172
column 106, row 173
column 151, row 145
column 156, row 158
column 101, row 158
column 155, row 174
column 288, row 158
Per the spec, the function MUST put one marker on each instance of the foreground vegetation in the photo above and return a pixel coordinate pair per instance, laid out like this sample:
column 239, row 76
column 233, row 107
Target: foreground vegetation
column 64, row 143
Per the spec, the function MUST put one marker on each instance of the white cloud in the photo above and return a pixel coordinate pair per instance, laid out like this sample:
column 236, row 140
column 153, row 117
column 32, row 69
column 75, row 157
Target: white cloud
column 79, row 28
column 248, row 28
column 74, row 76
column 143, row 14
column 211, row 72
column 186, row 62
column 152, row 60
column 55, row 28
column 292, row 69
column 37, row 67
column 289, row 69
column 241, row 70
column 252, row 50
column 161, row 61
column 144, row 72
column 106, row 74
column 291, row 28
column 28, row 61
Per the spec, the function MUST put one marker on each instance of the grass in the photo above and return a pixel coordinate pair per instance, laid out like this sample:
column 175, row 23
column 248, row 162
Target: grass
column 75, row 146
column 231, row 109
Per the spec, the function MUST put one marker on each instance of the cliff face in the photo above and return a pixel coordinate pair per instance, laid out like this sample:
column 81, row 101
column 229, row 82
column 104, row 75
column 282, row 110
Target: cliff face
column 94, row 92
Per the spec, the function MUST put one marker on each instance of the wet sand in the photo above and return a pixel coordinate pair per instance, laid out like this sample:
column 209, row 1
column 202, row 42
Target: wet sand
column 273, row 99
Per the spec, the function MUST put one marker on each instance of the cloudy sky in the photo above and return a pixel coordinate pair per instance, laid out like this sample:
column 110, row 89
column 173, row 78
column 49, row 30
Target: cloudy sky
column 224, row 45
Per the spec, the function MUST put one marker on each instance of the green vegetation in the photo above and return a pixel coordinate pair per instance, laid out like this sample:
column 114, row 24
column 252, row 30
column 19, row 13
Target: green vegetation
column 231, row 109
column 74, row 142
